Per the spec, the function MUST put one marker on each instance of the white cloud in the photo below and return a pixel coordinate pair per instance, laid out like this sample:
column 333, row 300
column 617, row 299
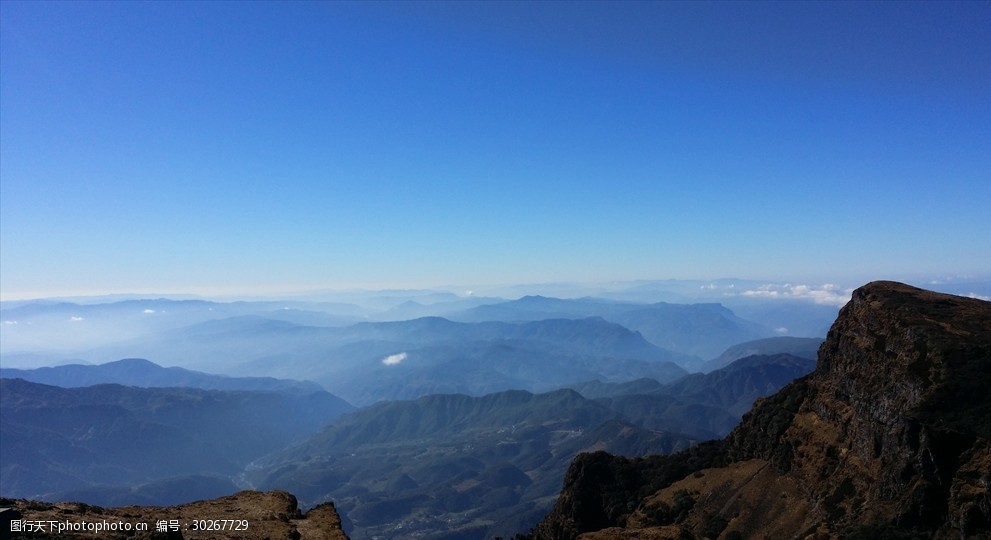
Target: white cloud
column 394, row 359
column 10, row 322
column 75, row 318
column 979, row 296
column 827, row 293
column 148, row 311
column 781, row 330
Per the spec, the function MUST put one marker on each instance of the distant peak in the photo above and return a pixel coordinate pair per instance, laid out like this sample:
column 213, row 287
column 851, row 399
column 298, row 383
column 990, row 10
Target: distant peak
column 132, row 362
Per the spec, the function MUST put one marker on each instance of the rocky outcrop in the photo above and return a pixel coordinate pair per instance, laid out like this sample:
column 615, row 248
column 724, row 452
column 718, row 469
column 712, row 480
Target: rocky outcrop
column 247, row 515
column 887, row 438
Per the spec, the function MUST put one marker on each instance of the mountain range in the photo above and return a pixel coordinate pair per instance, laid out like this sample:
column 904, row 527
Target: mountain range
column 144, row 373
column 395, row 468
column 797, row 346
column 37, row 333
column 113, row 444
column 453, row 466
column 369, row 362
column 699, row 330
column 467, row 423
column 409, row 469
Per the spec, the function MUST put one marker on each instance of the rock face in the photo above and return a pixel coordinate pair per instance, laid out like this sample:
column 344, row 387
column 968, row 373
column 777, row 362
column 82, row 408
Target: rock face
column 887, row 438
column 247, row 515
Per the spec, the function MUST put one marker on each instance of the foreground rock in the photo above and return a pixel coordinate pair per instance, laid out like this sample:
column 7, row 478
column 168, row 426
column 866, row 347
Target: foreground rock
column 887, row 438
column 245, row 515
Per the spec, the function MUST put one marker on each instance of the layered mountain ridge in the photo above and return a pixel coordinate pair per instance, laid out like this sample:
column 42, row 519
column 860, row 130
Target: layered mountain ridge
column 110, row 444
column 887, row 438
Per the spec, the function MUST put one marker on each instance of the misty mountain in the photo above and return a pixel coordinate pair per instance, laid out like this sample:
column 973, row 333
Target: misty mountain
column 801, row 347
column 788, row 317
column 61, row 440
column 736, row 386
column 537, row 307
column 431, row 307
column 700, row 330
column 368, row 362
column 60, row 330
column 478, row 368
column 703, row 330
column 701, row 405
column 140, row 372
column 455, row 465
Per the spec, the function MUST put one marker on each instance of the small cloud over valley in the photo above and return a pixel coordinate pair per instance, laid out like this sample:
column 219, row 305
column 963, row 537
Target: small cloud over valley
column 394, row 359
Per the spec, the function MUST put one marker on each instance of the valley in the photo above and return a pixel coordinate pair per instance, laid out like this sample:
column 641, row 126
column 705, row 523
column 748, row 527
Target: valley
column 430, row 427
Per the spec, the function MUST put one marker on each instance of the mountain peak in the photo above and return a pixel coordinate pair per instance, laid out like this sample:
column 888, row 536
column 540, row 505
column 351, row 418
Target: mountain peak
column 890, row 436
column 136, row 362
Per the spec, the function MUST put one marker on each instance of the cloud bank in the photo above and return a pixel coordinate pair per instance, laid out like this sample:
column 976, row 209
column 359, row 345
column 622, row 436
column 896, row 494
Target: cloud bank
column 827, row 293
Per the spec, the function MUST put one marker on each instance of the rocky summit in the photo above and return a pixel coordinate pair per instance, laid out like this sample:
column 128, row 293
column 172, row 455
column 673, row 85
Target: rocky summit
column 887, row 438
column 247, row 515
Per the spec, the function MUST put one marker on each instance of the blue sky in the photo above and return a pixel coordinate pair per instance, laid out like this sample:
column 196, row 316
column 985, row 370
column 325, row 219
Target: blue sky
column 248, row 147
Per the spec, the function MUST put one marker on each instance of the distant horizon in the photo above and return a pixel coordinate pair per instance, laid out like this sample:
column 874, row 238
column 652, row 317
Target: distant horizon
column 571, row 289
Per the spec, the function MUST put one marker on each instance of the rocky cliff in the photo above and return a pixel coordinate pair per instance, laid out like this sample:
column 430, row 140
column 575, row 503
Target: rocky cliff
column 247, row 515
column 887, row 438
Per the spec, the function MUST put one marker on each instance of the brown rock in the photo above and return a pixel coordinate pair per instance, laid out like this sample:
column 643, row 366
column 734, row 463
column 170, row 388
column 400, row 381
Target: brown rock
column 888, row 437
column 248, row 515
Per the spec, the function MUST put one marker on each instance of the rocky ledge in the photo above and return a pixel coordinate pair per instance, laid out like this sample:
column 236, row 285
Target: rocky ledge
column 248, row 515
column 887, row 438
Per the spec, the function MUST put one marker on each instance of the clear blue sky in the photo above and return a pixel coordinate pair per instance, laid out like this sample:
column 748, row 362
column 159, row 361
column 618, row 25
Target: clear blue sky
column 225, row 146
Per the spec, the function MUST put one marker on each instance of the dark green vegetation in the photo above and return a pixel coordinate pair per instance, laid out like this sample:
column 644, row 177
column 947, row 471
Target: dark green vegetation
column 113, row 444
column 454, row 466
column 476, row 467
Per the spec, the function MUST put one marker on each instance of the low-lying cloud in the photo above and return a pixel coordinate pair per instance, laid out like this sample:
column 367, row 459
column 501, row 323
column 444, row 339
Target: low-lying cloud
column 394, row 359
column 827, row 293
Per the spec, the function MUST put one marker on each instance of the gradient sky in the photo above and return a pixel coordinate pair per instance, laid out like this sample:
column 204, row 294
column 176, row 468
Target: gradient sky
column 229, row 147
